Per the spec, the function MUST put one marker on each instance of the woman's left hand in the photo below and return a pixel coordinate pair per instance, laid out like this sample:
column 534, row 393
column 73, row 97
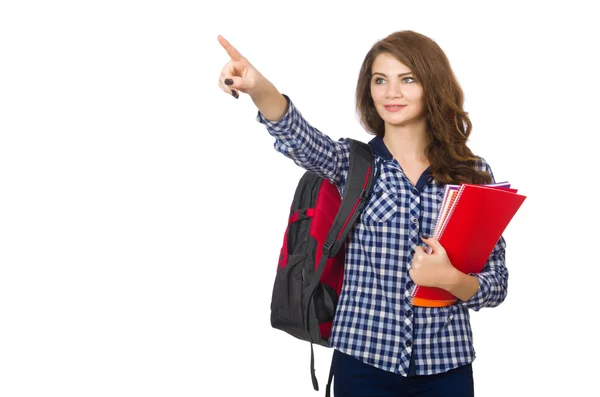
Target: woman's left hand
column 432, row 270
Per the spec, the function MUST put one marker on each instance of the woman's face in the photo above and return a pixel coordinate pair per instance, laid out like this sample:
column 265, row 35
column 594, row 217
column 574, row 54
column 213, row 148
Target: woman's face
column 392, row 83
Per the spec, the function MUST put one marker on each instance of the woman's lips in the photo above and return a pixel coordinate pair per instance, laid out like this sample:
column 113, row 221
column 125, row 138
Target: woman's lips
column 394, row 108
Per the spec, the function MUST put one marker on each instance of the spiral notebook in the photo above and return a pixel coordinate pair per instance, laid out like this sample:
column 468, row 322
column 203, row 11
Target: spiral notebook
column 470, row 222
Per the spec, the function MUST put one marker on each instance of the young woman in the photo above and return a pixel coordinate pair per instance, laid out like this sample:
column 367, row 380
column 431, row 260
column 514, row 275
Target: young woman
column 407, row 97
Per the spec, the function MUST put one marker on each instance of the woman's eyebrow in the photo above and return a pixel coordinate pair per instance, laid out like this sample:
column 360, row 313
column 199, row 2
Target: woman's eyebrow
column 384, row 75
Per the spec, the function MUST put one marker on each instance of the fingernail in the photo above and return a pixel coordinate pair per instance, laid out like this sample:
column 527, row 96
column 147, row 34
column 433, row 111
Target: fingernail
column 235, row 94
column 228, row 82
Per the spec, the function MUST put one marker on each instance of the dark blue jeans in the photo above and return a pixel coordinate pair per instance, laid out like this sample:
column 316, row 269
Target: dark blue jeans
column 353, row 378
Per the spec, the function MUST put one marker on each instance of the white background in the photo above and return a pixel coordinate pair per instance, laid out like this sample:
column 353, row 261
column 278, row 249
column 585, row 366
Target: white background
column 142, row 209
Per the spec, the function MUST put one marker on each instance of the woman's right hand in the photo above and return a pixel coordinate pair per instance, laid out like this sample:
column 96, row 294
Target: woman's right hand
column 238, row 74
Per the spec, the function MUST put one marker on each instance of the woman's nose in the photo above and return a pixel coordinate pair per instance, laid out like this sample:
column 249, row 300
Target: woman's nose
column 393, row 91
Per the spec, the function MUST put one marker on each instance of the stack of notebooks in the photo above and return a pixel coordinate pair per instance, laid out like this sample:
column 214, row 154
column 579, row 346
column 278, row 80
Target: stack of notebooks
column 470, row 222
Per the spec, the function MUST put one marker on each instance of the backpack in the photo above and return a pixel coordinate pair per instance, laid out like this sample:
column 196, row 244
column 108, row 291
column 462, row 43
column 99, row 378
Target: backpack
column 310, row 270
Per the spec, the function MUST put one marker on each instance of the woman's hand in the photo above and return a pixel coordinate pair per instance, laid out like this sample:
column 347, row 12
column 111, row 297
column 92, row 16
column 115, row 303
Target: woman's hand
column 432, row 270
column 238, row 74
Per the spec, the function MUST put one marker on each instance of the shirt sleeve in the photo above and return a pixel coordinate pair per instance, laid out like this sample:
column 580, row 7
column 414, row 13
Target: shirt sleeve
column 308, row 147
column 493, row 279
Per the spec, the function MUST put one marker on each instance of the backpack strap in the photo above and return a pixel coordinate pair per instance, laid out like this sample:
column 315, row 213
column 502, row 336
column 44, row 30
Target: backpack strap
column 357, row 192
column 328, row 388
column 359, row 182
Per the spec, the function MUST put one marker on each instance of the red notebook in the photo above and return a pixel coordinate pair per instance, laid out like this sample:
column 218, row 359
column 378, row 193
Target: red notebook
column 474, row 224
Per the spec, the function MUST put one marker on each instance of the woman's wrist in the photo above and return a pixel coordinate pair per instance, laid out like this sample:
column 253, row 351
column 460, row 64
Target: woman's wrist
column 459, row 284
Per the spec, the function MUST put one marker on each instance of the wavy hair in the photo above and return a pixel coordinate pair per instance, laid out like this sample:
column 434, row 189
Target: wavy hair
column 447, row 124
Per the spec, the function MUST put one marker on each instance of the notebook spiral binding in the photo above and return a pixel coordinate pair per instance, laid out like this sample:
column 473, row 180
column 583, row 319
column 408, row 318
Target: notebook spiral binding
column 442, row 228
column 460, row 191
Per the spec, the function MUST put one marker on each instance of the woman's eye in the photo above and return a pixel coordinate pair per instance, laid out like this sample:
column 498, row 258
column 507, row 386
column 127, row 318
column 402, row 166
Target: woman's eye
column 380, row 80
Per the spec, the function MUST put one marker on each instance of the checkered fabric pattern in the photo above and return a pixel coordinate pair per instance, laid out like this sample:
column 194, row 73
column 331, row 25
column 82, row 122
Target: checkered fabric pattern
column 374, row 320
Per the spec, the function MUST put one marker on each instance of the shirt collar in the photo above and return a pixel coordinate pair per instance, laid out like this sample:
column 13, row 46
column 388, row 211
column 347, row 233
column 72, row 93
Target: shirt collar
column 379, row 148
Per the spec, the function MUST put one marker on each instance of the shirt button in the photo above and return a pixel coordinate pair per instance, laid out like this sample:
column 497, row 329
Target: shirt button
column 408, row 313
column 414, row 220
column 408, row 343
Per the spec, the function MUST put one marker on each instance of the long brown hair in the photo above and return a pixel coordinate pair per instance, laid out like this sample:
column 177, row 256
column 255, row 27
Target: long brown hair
column 448, row 125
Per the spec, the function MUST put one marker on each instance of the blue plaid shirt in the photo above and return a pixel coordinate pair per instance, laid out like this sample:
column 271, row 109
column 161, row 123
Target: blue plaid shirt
column 374, row 319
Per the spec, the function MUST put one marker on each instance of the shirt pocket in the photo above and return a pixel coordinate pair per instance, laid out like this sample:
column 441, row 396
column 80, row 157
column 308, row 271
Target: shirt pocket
column 383, row 206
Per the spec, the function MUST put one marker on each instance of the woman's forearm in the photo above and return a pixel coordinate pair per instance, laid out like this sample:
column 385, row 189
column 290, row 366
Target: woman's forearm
column 269, row 101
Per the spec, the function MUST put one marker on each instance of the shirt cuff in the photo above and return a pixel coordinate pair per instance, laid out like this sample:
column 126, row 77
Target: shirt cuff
column 281, row 125
column 477, row 301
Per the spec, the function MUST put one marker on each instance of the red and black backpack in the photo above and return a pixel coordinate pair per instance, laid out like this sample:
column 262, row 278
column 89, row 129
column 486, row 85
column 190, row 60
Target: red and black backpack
column 310, row 271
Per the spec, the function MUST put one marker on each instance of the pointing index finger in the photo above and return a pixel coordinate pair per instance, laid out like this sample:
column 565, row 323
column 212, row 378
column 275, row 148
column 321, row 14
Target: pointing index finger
column 233, row 53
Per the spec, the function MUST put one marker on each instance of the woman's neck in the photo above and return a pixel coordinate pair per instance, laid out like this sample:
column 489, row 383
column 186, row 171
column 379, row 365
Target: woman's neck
column 407, row 144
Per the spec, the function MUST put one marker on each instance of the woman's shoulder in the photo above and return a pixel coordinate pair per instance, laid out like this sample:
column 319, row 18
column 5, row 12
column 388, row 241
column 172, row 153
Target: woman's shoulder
column 481, row 164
